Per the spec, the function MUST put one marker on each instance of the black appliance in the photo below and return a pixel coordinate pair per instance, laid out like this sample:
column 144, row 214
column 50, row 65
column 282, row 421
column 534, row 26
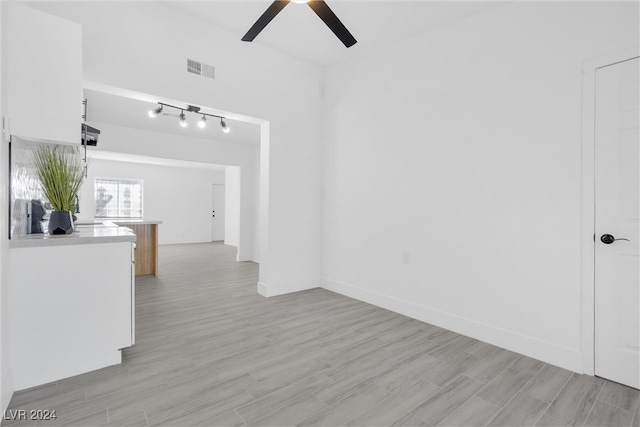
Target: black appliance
column 37, row 214
column 89, row 135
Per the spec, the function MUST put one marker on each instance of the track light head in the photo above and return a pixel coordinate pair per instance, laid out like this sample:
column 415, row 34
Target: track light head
column 183, row 120
column 202, row 122
column 155, row 111
column 224, row 126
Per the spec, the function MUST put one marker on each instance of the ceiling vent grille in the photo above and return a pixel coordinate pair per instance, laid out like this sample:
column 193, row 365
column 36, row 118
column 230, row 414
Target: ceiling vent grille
column 194, row 67
column 204, row 70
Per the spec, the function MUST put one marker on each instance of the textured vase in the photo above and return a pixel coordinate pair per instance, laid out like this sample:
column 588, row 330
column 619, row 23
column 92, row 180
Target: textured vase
column 60, row 222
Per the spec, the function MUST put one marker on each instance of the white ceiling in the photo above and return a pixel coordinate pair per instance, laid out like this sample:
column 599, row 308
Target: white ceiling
column 298, row 32
column 133, row 113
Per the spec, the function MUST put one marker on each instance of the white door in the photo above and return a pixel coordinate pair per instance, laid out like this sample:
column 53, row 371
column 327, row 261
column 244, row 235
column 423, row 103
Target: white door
column 217, row 212
column 617, row 275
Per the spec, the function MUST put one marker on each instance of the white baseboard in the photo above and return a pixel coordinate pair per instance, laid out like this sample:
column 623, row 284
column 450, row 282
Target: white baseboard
column 245, row 257
column 239, row 257
column 181, row 241
column 275, row 289
column 545, row 351
column 7, row 390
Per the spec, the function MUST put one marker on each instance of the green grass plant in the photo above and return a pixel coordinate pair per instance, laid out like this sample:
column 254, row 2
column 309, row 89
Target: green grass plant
column 60, row 171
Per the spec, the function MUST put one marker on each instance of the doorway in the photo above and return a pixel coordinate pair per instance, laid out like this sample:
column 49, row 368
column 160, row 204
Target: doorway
column 217, row 212
column 616, row 219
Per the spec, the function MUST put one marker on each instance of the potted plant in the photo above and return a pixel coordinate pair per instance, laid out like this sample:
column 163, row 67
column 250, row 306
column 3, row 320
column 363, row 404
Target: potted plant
column 61, row 173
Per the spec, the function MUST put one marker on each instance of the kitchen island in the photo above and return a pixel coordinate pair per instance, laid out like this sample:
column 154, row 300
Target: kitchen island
column 72, row 302
column 146, row 232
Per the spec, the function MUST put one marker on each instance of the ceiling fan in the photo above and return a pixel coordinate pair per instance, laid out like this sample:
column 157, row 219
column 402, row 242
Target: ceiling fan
column 319, row 7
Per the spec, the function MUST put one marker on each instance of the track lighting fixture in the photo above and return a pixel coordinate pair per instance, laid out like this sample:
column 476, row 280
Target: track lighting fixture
column 155, row 111
column 224, row 126
column 190, row 109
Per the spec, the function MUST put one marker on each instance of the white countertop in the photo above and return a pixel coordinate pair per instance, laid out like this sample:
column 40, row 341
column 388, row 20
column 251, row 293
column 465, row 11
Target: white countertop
column 85, row 232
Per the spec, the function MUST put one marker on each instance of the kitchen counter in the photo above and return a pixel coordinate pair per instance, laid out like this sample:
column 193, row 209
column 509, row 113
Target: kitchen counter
column 146, row 232
column 72, row 304
column 85, row 232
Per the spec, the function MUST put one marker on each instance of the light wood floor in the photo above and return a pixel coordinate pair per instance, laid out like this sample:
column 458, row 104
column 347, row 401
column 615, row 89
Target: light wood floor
column 211, row 351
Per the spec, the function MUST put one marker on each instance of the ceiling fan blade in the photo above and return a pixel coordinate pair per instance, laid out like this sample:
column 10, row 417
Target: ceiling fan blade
column 266, row 17
column 326, row 14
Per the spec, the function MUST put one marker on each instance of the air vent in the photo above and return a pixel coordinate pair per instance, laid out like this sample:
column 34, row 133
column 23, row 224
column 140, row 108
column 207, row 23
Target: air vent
column 208, row 71
column 204, row 70
column 194, row 67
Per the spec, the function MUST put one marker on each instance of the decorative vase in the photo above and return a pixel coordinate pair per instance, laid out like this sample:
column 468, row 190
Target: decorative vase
column 60, row 222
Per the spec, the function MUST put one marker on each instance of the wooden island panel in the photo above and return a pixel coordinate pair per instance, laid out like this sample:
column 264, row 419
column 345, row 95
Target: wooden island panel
column 146, row 246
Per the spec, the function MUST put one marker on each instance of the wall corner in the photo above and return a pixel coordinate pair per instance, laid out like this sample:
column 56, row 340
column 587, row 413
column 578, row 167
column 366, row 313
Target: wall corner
column 275, row 289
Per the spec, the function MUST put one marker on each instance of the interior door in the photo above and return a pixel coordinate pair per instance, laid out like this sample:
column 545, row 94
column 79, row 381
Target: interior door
column 217, row 212
column 617, row 276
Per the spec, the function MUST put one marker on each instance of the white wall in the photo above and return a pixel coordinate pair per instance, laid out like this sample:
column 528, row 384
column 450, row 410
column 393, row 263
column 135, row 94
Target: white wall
column 462, row 147
column 137, row 142
column 148, row 54
column 179, row 197
column 6, row 380
column 232, row 205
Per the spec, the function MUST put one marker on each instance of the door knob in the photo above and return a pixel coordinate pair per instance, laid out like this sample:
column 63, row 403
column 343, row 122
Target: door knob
column 608, row 239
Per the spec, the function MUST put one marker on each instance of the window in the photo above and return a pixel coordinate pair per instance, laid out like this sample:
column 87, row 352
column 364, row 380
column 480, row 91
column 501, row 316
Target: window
column 118, row 198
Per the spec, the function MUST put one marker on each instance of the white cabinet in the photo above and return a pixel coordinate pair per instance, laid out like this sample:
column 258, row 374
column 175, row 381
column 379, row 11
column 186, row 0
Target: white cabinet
column 133, row 294
column 44, row 75
column 70, row 309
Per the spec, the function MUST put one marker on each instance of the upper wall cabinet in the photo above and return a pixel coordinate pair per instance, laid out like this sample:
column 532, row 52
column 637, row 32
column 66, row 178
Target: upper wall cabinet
column 44, row 75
